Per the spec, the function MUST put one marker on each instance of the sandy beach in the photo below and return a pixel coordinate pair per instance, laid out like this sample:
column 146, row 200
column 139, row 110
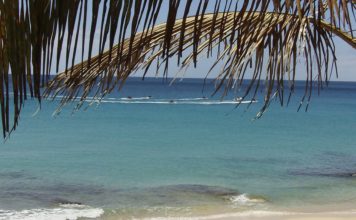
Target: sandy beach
column 336, row 212
column 311, row 216
column 347, row 214
column 317, row 216
column 255, row 215
column 281, row 216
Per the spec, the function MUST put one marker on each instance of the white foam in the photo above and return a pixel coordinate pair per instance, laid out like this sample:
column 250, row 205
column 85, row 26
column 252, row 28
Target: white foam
column 150, row 100
column 64, row 212
column 244, row 199
column 192, row 99
column 176, row 102
column 73, row 206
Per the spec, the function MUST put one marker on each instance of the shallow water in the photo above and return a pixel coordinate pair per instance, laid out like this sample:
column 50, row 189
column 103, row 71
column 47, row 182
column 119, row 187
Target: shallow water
column 177, row 151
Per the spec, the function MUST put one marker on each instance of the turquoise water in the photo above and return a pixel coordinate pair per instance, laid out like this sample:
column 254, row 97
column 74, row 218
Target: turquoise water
column 177, row 151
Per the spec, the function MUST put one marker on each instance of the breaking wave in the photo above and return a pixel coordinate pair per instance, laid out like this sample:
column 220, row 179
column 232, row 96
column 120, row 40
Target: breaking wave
column 63, row 212
column 160, row 101
column 244, row 199
column 172, row 101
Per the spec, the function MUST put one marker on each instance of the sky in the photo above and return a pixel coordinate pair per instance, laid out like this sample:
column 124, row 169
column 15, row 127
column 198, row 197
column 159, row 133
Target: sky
column 346, row 54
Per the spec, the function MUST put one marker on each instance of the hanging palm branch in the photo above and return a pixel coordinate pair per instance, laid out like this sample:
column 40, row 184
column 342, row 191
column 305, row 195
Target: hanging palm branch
column 265, row 37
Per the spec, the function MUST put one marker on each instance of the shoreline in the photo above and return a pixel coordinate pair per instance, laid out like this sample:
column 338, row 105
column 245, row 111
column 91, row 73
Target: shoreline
column 346, row 215
column 344, row 211
column 252, row 215
column 266, row 215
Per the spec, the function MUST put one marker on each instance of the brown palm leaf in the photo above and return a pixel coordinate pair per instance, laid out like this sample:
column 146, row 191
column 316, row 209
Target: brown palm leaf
column 266, row 37
column 270, row 44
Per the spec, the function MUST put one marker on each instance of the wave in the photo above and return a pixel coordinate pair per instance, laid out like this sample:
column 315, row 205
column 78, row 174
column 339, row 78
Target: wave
column 63, row 212
column 192, row 99
column 151, row 100
column 244, row 199
column 172, row 102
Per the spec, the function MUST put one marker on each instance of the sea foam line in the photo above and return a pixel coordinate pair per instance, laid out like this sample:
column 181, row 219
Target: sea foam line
column 150, row 100
column 64, row 212
column 173, row 102
column 245, row 199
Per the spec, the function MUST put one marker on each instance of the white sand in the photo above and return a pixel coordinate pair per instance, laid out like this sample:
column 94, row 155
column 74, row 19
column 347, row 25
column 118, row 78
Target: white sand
column 311, row 216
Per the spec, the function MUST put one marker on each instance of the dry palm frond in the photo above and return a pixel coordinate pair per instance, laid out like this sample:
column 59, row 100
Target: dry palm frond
column 266, row 36
column 263, row 42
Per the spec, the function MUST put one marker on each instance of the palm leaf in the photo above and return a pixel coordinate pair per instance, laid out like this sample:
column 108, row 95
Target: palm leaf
column 266, row 37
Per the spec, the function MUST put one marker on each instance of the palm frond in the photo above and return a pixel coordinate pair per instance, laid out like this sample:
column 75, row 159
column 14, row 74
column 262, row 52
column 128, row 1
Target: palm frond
column 266, row 36
column 268, row 44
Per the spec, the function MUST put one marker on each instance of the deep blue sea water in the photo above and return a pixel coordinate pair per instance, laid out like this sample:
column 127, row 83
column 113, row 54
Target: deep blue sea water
column 177, row 151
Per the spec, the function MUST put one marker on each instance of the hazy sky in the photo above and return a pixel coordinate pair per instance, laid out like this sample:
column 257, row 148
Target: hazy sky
column 345, row 53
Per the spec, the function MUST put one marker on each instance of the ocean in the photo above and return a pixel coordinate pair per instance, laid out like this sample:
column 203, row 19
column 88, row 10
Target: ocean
column 158, row 151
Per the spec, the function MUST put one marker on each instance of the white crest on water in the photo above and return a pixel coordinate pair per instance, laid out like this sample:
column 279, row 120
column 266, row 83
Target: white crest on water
column 64, row 212
column 244, row 199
